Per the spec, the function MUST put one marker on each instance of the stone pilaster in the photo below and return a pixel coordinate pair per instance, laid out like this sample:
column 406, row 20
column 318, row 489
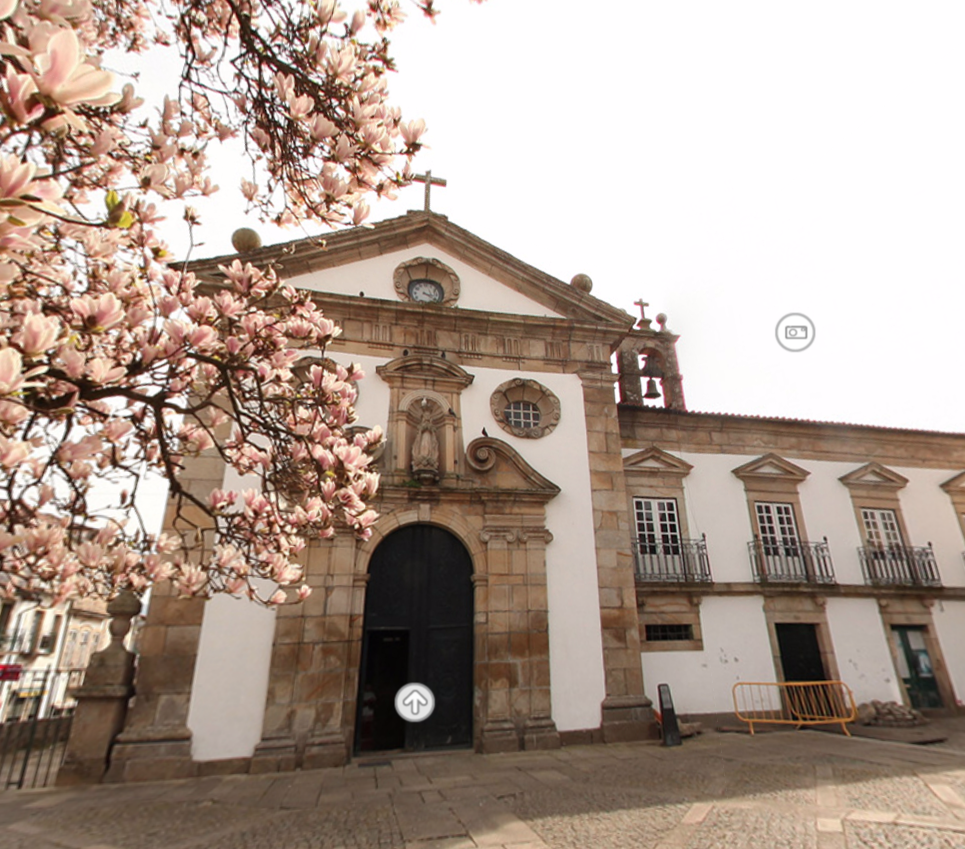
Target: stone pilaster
column 628, row 364
column 539, row 729
column 499, row 732
column 314, row 668
column 627, row 714
column 517, row 641
column 156, row 742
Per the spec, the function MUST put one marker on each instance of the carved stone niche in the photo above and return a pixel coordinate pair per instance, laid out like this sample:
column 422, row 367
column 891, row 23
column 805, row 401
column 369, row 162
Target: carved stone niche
column 425, row 393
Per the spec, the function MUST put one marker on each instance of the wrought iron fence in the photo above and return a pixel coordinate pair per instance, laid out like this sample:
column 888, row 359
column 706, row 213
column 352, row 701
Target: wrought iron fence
column 683, row 560
column 37, row 708
column 900, row 565
column 791, row 562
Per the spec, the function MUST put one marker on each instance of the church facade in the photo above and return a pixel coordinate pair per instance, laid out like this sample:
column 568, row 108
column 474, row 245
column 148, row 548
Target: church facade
column 550, row 548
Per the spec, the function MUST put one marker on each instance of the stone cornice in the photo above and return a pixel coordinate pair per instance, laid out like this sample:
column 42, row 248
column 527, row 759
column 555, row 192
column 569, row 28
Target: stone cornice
column 815, row 590
column 406, row 314
column 716, row 433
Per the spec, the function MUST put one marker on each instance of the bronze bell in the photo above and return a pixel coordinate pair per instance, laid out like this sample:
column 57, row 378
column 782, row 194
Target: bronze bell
column 652, row 391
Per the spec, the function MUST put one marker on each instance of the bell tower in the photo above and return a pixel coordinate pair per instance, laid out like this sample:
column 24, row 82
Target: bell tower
column 647, row 363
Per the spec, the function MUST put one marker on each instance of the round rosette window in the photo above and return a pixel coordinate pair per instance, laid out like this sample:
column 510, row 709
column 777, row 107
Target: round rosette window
column 525, row 408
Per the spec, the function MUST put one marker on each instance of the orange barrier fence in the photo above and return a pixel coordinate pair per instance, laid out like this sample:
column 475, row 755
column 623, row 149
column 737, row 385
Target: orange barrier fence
column 795, row 703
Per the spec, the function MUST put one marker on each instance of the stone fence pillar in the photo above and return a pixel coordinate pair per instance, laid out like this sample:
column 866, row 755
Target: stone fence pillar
column 101, row 700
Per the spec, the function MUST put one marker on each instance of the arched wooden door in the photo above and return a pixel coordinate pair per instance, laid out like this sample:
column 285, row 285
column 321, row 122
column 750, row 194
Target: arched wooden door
column 418, row 628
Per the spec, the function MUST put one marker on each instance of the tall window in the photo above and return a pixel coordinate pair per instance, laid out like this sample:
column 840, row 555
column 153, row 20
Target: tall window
column 84, row 640
column 777, row 528
column 881, row 528
column 70, row 649
column 658, row 528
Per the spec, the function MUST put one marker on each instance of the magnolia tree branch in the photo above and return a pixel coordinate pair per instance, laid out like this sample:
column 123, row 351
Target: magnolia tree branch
column 115, row 365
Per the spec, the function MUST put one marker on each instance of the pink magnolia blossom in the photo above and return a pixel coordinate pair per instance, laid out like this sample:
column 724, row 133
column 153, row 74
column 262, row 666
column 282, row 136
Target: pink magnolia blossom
column 37, row 334
column 62, row 75
column 113, row 362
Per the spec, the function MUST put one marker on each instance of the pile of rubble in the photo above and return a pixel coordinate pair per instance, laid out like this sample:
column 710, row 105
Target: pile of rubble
column 889, row 714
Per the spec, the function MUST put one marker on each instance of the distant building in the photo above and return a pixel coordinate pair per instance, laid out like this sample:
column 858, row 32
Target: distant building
column 550, row 548
column 44, row 651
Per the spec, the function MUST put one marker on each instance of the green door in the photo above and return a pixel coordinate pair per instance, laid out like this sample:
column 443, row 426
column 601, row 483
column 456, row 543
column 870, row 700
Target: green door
column 915, row 666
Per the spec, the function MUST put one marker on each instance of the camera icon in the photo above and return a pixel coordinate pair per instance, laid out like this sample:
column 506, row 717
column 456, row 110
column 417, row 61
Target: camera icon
column 795, row 332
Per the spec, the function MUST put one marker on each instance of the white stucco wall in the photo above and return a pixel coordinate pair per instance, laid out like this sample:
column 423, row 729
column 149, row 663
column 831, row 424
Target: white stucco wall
column 736, row 648
column 576, row 644
column 230, row 686
column 716, row 504
column 949, row 619
column 230, row 678
column 374, row 278
column 861, row 649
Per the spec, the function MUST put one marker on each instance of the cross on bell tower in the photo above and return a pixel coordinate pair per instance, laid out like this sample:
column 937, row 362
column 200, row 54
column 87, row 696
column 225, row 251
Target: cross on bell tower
column 644, row 323
column 430, row 181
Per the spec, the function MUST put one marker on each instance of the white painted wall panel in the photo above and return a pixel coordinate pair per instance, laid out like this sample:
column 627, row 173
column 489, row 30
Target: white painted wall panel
column 861, row 649
column 949, row 619
column 736, row 648
column 576, row 645
column 717, row 506
column 930, row 517
column 230, row 679
column 374, row 278
column 829, row 512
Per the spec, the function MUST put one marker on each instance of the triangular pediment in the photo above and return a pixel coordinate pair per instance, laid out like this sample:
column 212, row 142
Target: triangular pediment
column 955, row 485
column 772, row 467
column 874, row 475
column 303, row 257
column 497, row 466
column 654, row 460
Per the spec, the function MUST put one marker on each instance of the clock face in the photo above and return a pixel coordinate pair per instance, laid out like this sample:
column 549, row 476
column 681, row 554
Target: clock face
column 426, row 291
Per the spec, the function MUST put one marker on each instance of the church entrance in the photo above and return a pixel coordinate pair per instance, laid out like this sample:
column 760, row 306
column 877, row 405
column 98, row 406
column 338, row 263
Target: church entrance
column 418, row 628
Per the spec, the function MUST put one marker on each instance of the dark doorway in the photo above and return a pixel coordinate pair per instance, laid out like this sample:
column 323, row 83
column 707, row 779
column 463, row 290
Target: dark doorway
column 418, row 628
column 800, row 653
column 915, row 666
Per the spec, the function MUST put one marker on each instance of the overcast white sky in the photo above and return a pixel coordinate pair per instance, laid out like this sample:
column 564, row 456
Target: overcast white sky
column 729, row 162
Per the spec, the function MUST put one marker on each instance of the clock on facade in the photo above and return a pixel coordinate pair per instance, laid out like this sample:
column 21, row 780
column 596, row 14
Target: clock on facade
column 426, row 280
column 426, row 291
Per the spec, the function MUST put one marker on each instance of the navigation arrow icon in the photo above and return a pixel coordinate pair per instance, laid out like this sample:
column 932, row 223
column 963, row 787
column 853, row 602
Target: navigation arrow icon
column 414, row 701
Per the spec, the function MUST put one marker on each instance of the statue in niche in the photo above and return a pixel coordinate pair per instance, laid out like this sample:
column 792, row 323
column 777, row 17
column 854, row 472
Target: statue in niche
column 425, row 447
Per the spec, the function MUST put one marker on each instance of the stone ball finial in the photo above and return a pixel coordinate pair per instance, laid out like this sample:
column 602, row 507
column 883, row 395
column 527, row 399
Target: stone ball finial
column 582, row 282
column 662, row 320
column 244, row 239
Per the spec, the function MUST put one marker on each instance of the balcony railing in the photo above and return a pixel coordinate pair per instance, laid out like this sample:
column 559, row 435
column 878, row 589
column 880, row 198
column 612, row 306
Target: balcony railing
column 678, row 561
column 791, row 562
column 899, row 565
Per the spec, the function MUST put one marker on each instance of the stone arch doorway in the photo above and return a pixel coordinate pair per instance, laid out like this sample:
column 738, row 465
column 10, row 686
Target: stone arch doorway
column 418, row 626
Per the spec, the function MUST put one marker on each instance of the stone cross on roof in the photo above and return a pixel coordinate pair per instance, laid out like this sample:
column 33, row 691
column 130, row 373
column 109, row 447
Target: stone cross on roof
column 644, row 321
column 429, row 180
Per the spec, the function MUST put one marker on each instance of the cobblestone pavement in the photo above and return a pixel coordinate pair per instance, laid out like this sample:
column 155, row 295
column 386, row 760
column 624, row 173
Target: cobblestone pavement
column 719, row 791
